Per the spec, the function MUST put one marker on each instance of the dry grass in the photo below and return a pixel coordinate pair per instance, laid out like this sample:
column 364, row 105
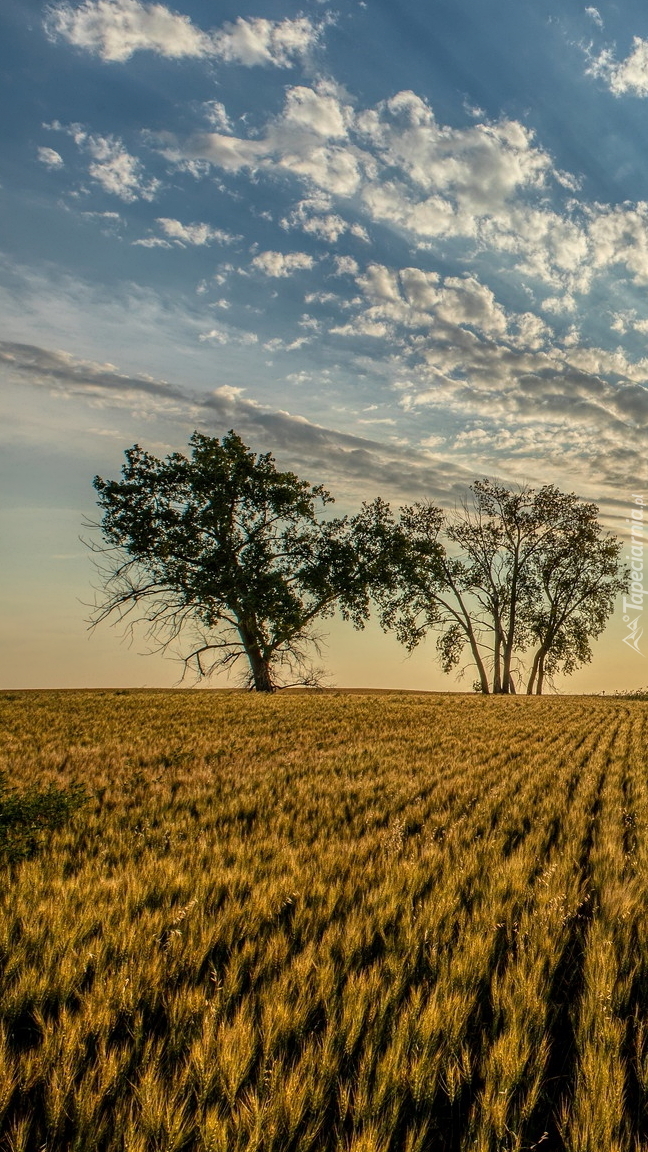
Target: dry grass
column 331, row 922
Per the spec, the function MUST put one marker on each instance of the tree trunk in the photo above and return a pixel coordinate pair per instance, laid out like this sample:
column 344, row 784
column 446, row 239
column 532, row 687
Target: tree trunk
column 259, row 664
column 472, row 640
column 261, row 673
column 536, row 679
column 465, row 622
column 540, row 675
column 497, row 675
column 534, row 671
column 506, row 668
column 483, row 679
column 510, row 636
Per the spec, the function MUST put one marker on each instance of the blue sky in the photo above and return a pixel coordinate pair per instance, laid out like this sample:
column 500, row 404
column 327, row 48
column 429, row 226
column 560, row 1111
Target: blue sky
column 402, row 246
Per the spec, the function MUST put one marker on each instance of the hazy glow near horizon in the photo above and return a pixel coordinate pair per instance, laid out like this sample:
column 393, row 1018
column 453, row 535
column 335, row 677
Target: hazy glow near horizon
column 399, row 248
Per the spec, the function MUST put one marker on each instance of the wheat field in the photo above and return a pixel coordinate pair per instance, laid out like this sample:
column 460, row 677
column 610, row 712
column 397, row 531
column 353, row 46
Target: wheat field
column 328, row 922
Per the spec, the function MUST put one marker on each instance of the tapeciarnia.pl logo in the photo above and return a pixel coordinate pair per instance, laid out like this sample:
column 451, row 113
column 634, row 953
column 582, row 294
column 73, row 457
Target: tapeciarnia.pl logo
column 633, row 604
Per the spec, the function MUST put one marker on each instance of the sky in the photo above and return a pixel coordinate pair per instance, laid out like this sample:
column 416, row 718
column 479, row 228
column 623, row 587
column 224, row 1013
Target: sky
column 401, row 246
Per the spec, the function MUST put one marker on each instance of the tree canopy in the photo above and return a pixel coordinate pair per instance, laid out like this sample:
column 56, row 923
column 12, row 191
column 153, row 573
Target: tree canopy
column 523, row 579
column 228, row 549
column 236, row 561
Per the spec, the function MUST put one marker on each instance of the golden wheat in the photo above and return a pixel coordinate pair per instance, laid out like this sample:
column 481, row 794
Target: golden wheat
column 328, row 923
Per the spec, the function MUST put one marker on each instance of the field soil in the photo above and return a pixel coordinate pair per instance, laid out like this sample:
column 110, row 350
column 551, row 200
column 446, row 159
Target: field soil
column 327, row 922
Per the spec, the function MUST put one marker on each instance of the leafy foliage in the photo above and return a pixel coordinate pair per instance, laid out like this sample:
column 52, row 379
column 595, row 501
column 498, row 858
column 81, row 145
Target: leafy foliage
column 512, row 572
column 26, row 817
column 225, row 545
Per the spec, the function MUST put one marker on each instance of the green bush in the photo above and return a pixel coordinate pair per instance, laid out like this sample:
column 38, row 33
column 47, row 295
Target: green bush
column 26, row 816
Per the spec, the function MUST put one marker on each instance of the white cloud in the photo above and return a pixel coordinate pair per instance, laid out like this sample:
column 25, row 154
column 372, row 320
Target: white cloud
column 279, row 345
column 359, row 232
column 152, row 242
column 595, row 15
column 416, row 298
column 529, row 331
column 322, row 298
column 378, row 420
column 619, row 235
column 117, row 171
column 479, row 167
column 365, row 465
column 115, row 29
column 228, row 152
column 629, row 76
column 620, row 322
column 464, row 354
column 363, row 326
column 463, row 300
column 346, row 266
column 487, row 184
column 407, row 170
column 50, row 157
column 582, row 409
column 313, row 216
column 299, row 377
column 222, row 335
column 216, row 115
column 259, row 41
column 112, row 165
column 329, row 227
column 311, row 322
column 308, row 139
column 195, row 234
column 559, row 304
column 282, row 264
column 318, row 111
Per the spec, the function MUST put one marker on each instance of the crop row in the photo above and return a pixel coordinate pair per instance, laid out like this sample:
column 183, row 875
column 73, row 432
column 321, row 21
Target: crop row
column 328, row 922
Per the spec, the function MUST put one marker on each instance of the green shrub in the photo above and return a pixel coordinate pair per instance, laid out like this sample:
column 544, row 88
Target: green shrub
column 26, row 816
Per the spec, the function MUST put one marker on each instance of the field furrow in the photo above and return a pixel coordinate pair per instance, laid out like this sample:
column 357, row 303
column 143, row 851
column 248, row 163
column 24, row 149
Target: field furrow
column 328, row 922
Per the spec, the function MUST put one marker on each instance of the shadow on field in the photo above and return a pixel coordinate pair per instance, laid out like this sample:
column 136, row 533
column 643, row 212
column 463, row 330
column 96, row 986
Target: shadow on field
column 564, row 1004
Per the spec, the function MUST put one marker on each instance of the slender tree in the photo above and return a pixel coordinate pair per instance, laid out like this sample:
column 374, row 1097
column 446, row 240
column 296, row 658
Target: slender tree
column 503, row 533
column 225, row 547
column 576, row 578
column 513, row 569
column 418, row 586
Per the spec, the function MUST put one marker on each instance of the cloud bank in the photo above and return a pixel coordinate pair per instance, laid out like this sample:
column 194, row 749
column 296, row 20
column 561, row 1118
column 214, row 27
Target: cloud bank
column 115, row 29
column 366, row 466
column 489, row 186
column 623, row 77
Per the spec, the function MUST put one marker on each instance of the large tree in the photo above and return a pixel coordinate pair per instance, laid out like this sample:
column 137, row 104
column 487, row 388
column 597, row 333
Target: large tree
column 227, row 549
column 511, row 570
column 575, row 578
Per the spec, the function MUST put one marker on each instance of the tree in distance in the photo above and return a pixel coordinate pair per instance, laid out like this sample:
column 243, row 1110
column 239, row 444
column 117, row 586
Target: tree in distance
column 515, row 571
column 225, row 547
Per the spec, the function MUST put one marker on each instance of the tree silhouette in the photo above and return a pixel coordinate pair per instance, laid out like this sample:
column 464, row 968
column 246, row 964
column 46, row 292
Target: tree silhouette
column 224, row 547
